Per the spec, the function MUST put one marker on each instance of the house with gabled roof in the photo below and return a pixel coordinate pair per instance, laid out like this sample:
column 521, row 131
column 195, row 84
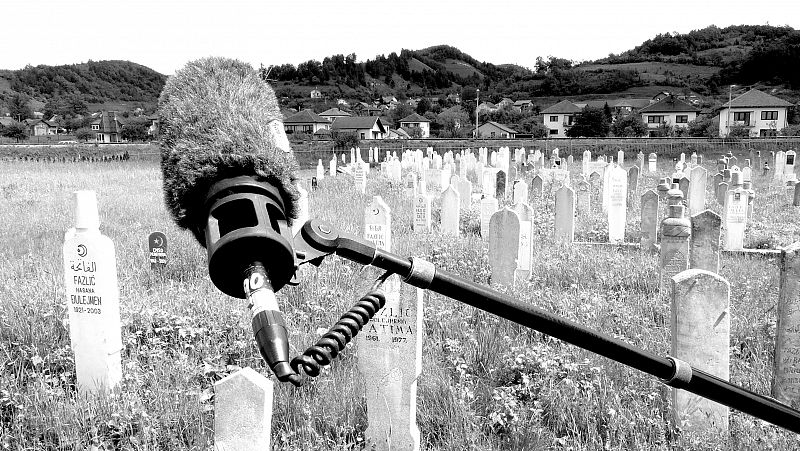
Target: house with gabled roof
column 40, row 127
column 365, row 109
column 364, row 127
column 487, row 107
column 760, row 113
column 332, row 114
column 559, row 118
column 493, row 129
column 414, row 120
column 505, row 102
column 670, row 111
column 106, row 127
column 305, row 121
column 523, row 105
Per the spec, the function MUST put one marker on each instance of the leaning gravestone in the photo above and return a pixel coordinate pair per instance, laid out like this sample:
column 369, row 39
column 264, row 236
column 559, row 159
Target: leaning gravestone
column 504, row 231
column 617, row 200
column 649, row 222
column 92, row 299
column 701, row 323
column 698, row 177
column 705, row 241
column 524, row 258
column 451, row 211
column 786, row 369
column 565, row 216
column 390, row 350
column 674, row 256
column 243, row 411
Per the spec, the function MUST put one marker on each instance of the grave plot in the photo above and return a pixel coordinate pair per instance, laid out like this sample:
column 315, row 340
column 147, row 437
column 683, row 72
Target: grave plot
column 482, row 382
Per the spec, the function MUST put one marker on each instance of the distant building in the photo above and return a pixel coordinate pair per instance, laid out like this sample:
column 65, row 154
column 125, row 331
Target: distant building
column 364, row 127
column 523, row 106
column 454, row 97
column 334, row 113
column 559, row 118
column 495, row 130
column 106, row 127
column 305, row 121
column 365, row 109
column 505, row 103
column 486, row 107
column 316, row 93
column 415, row 120
column 670, row 111
column 760, row 113
column 40, row 127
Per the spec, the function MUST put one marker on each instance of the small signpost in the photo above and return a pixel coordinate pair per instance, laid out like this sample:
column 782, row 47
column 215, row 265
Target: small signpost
column 157, row 243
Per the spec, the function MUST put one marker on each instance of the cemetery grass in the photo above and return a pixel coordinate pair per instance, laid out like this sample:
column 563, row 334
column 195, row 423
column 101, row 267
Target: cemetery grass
column 486, row 384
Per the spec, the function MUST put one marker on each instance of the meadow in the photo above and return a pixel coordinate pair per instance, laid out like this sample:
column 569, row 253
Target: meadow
column 486, row 384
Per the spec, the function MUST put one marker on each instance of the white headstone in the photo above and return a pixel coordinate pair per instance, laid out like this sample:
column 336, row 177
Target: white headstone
column 243, row 411
column 617, row 204
column 422, row 212
column 520, row 192
column 504, row 231
column 451, row 211
column 698, row 177
column 489, row 206
column 565, row 216
column 524, row 257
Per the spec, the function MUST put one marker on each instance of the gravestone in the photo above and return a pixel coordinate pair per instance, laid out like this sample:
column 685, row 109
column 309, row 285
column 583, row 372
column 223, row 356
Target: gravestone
column 633, row 184
column 701, row 323
column 649, row 221
column 320, row 170
column 722, row 190
column 617, row 204
column 520, row 192
column 390, row 350
column 780, row 166
column 411, row 184
column 504, row 232
column 651, row 162
column 489, row 206
column 585, row 160
column 584, row 198
column 243, row 411
column 735, row 218
column 464, row 188
column 490, row 181
column 360, row 178
column 500, row 185
column 683, row 185
column 536, row 189
column 788, row 167
column 786, row 367
column 92, row 299
column 570, row 160
column 705, row 241
column 451, row 211
column 606, row 189
column 674, row 257
column 332, row 167
column 157, row 243
column 620, row 157
column 524, row 257
column 698, row 177
column 796, row 199
column 422, row 212
column 565, row 216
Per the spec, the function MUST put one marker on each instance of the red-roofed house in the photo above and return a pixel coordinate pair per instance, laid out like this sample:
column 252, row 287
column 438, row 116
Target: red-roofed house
column 669, row 110
column 364, row 127
column 559, row 118
column 414, row 120
column 305, row 121
column 495, row 130
column 107, row 128
column 760, row 113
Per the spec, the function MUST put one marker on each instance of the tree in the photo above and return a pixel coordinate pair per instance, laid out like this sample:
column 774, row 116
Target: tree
column 344, row 140
column 423, row 106
column 590, row 122
column 15, row 131
column 399, row 112
column 18, row 106
column 136, row 130
column 704, row 127
column 83, row 134
column 629, row 125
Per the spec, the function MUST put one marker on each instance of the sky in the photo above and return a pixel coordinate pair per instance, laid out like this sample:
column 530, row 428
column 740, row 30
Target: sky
column 165, row 34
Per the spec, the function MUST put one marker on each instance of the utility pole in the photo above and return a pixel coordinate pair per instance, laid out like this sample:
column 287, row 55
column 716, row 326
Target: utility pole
column 728, row 116
column 477, row 102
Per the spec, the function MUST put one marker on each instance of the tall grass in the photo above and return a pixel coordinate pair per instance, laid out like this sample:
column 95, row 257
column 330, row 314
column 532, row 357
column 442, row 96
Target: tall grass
column 486, row 384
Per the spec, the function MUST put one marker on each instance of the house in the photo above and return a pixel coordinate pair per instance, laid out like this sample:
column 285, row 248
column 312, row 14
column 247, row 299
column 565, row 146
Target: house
column 670, row 111
column 414, row 120
column 397, row 134
column 559, row 118
column 486, row 107
column 153, row 129
column 343, row 102
column 505, row 103
column 5, row 121
column 332, row 114
column 106, row 127
column 388, row 99
column 40, row 127
column 364, row 127
column 305, row 121
column 454, row 97
column 523, row 106
column 759, row 113
column 365, row 109
column 316, row 93
column 617, row 106
column 495, row 130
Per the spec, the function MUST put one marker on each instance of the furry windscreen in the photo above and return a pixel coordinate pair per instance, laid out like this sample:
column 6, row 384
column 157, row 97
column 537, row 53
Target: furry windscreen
column 217, row 121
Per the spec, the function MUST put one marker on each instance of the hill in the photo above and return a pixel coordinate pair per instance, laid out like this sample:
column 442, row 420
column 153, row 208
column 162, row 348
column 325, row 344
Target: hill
column 95, row 83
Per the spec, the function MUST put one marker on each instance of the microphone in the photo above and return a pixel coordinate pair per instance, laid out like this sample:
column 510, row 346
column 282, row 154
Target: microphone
column 229, row 177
